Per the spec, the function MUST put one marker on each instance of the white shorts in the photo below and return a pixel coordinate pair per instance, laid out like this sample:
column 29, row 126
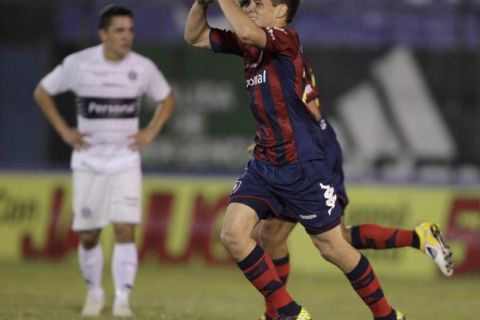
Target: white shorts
column 101, row 199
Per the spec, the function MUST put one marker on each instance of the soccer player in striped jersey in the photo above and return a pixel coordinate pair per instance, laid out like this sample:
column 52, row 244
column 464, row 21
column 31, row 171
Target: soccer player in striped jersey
column 289, row 170
column 108, row 81
column 272, row 234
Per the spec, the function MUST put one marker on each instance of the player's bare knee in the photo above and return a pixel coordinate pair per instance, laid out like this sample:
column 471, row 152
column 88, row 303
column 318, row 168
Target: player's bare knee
column 89, row 239
column 230, row 239
column 124, row 232
column 328, row 247
column 328, row 251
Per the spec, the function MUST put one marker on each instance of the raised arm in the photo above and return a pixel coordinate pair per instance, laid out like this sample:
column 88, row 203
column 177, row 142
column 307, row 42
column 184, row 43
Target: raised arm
column 197, row 30
column 245, row 28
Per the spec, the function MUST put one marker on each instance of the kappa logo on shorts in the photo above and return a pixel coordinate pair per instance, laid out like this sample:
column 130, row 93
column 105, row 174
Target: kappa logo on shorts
column 237, row 185
column 86, row 212
column 330, row 196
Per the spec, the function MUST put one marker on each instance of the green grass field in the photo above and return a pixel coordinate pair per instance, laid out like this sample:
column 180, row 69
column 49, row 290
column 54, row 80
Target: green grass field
column 54, row 291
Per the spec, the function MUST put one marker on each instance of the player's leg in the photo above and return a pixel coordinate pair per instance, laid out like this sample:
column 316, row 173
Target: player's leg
column 124, row 268
column 255, row 263
column 426, row 237
column 335, row 249
column 365, row 235
column 125, row 214
column 90, row 257
column 88, row 221
column 272, row 236
column 374, row 236
column 320, row 213
column 252, row 199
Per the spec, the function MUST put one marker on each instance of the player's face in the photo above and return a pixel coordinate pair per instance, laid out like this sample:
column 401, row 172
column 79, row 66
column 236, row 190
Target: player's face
column 262, row 12
column 118, row 37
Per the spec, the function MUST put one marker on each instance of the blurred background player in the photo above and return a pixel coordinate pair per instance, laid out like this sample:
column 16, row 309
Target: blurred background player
column 108, row 81
column 289, row 170
column 272, row 234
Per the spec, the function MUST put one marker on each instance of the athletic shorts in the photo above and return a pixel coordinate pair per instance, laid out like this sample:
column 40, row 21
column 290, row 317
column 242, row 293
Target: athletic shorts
column 101, row 199
column 305, row 190
column 334, row 161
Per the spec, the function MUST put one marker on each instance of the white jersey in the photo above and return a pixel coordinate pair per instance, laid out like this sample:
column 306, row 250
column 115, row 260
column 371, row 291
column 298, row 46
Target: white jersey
column 108, row 96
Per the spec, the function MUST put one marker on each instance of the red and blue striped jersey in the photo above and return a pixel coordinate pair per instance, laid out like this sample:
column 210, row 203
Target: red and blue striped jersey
column 274, row 79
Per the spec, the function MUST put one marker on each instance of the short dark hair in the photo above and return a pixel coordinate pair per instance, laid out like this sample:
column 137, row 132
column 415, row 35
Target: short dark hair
column 110, row 11
column 292, row 6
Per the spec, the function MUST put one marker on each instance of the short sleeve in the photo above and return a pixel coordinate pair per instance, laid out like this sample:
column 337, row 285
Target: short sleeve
column 225, row 41
column 157, row 87
column 282, row 41
column 60, row 79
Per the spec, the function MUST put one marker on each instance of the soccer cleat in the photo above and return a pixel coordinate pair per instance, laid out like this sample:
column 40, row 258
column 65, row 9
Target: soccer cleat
column 93, row 303
column 121, row 306
column 122, row 311
column 399, row 315
column 303, row 315
column 433, row 245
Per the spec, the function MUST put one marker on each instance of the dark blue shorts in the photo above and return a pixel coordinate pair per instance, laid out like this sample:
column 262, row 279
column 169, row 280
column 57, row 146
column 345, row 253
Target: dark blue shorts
column 334, row 160
column 312, row 193
column 304, row 190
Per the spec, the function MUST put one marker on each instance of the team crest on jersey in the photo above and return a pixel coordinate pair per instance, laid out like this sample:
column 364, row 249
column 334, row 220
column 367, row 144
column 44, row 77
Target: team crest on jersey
column 132, row 75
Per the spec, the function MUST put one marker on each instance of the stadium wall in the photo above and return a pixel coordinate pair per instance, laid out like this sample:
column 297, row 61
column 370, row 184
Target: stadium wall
column 183, row 216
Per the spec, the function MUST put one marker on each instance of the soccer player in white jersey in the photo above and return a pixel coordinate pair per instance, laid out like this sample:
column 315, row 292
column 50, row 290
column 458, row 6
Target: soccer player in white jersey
column 108, row 81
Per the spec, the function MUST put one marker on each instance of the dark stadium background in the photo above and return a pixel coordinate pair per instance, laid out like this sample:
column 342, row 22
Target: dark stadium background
column 212, row 125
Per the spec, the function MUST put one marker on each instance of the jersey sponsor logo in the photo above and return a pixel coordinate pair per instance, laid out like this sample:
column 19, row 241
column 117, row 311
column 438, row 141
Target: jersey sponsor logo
column 104, row 108
column 257, row 79
column 330, row 196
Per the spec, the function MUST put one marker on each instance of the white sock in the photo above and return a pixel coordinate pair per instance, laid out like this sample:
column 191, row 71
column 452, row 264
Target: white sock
column 124, row 268
column 91, row 265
